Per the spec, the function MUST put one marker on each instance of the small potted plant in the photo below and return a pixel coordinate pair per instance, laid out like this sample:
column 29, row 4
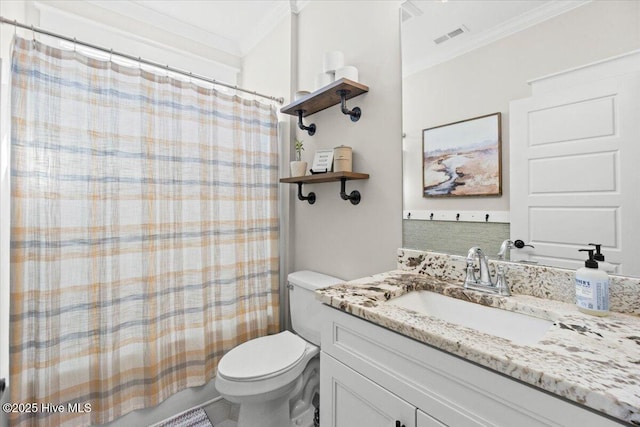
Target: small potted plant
column 298, row 167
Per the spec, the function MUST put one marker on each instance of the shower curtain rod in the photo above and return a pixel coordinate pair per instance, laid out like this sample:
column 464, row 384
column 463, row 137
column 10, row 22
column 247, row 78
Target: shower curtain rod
column 17, row 24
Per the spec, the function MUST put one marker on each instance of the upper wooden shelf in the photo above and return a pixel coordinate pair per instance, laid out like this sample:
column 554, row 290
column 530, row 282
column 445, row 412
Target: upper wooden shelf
column 324, row 177
column 324, row 97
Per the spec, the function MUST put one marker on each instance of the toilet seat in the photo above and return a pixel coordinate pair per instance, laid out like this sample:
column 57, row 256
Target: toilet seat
column 263, row 357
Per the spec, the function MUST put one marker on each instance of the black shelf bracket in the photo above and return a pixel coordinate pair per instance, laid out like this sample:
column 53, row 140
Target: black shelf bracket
column 356, row 113
column 354, row 197
column 311, row 129
column 311, row 198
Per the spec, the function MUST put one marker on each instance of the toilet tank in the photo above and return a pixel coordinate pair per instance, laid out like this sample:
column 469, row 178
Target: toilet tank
column 303, row 305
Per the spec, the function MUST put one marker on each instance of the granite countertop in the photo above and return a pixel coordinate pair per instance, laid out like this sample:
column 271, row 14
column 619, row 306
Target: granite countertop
column 594, row 361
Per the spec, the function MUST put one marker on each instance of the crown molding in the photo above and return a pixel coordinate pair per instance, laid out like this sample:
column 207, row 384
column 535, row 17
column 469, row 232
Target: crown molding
column 264, row 27
column 48, row 7
column 268, row 24
column 131, row 8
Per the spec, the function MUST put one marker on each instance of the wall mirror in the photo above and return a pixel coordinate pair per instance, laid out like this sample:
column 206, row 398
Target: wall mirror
column 464, row 59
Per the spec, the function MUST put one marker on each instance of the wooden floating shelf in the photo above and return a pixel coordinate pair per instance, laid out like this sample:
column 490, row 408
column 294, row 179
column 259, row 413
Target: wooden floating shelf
column 325, row 177
column 324, row 97
column 343, row 177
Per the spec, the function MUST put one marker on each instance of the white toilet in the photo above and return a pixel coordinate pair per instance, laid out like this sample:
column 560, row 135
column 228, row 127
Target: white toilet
column 275, row 378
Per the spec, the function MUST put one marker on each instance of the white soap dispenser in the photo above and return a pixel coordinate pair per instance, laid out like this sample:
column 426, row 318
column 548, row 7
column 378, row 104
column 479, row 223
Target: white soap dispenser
column 602, row 264
column 592, row 288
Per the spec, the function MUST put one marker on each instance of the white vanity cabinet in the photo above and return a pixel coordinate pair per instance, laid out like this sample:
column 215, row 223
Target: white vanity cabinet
column 371, row 376
column 357, row 401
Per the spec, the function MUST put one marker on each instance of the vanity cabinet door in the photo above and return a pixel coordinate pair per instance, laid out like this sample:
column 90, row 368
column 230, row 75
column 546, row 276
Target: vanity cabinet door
column 424, row 420
column 347, row 399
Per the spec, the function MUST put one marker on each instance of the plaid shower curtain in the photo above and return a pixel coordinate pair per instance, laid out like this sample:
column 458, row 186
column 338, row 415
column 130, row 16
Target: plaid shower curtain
column 144, row 234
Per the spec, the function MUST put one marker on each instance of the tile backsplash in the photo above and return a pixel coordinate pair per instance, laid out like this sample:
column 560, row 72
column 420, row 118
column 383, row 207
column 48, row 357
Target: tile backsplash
column 524, row 279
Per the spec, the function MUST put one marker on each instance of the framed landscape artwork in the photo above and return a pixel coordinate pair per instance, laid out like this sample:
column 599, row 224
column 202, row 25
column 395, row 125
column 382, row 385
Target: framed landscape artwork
column 463, row 158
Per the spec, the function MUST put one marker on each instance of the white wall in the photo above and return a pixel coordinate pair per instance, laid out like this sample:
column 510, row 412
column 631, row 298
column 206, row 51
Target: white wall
column 267, row 69
column 333, row 236
column 484, row 81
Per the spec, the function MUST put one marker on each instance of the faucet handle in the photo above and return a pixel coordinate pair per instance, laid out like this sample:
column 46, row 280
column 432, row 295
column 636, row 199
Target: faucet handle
column 521, row 244
column 471, row 273
column 501, row 281
column 471, row 278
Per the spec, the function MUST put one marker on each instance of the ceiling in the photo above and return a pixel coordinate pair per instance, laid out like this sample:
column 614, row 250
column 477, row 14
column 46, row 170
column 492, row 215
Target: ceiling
column 464, row 25
column 236, row 26
column 232, row 26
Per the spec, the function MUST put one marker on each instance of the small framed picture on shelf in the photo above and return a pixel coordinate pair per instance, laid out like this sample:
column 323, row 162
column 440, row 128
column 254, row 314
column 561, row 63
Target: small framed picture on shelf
column 322, row 161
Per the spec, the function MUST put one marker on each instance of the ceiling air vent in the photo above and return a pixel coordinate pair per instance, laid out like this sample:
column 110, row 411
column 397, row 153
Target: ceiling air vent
column 455, row 32
column 409, row 10
column 451, row 34
column 441, row 39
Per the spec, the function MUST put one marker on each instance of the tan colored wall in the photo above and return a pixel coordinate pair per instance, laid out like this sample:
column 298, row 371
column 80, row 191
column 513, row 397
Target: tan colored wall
column 332, row 236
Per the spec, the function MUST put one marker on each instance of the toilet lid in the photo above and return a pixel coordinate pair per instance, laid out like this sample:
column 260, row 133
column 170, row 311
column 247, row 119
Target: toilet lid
column 262, row 357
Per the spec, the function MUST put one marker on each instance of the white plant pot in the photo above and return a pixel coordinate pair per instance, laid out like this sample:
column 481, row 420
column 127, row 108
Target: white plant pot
column 298, row 168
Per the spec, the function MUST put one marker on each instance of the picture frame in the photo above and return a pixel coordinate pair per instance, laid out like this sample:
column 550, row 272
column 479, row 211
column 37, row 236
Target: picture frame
column 322, row 161
column 464, row 158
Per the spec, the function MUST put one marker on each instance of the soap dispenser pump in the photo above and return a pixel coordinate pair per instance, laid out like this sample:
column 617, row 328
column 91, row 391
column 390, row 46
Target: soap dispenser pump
column 602, row 264
column 592, row 287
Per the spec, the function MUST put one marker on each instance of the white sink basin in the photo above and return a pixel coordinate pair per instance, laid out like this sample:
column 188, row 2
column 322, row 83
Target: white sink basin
column 517, row 327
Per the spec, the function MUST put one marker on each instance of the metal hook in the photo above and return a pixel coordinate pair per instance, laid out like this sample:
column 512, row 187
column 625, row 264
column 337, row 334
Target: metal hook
column 15, row 27
column 111, row 55
column 139, row 63
column 33, row 35
column 74, row 44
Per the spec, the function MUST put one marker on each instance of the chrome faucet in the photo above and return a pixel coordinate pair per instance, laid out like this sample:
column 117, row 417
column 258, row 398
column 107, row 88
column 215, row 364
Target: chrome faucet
column 503, row 254
column 484, row 283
